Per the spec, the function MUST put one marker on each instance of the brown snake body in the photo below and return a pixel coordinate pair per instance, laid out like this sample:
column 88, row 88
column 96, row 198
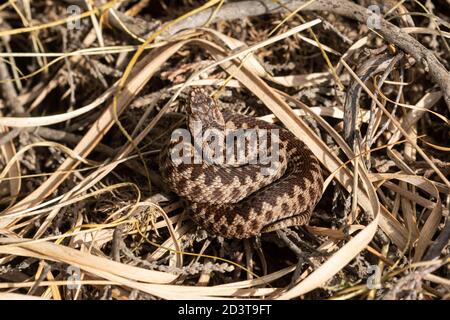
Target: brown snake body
column 238, row 201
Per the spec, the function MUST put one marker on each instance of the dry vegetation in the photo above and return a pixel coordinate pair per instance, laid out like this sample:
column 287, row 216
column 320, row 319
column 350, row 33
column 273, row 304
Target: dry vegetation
column 88, row 97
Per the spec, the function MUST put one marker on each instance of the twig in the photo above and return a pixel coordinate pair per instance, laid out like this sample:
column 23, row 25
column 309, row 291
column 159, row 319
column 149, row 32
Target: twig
column 368, row 69
column 370, row 129
column 8, row 92
column 117, row 243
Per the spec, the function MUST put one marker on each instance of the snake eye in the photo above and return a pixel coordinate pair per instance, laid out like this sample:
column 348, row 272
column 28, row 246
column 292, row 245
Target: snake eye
column 188, row 109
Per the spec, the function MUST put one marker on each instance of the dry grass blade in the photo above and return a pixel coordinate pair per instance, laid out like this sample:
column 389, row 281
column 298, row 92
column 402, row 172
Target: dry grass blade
column 431, row 224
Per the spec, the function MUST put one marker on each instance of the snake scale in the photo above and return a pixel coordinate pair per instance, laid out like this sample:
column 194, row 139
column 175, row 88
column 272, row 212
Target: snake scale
column 238, row 200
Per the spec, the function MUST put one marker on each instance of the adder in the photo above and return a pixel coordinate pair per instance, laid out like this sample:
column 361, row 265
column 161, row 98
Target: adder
column 238, row 200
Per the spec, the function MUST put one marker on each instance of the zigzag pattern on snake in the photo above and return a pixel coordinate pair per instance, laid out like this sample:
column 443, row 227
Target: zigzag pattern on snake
column 238, row 201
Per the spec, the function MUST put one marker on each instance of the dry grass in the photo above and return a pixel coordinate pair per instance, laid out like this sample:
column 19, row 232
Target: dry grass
column 84, row 113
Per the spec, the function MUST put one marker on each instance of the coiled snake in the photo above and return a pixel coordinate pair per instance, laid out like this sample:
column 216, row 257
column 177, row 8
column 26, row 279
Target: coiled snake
column 239, row 199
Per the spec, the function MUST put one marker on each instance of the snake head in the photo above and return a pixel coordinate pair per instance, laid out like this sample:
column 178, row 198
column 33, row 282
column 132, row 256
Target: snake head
column 202, row 108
